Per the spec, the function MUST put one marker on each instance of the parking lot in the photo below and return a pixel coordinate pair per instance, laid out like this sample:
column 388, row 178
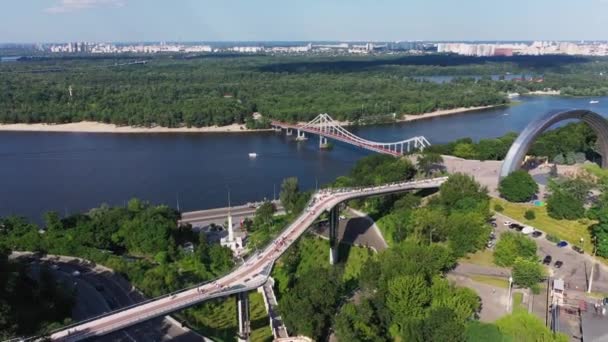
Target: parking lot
column 575, row 268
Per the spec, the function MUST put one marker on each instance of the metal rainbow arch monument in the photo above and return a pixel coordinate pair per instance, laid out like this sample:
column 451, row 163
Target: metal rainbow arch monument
column 524, row 141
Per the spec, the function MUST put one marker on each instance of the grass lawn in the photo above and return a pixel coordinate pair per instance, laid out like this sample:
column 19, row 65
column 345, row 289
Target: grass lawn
column 571, row 231
column 484, row 257
column 493, row 281
column 518, row 297
column 217, row 320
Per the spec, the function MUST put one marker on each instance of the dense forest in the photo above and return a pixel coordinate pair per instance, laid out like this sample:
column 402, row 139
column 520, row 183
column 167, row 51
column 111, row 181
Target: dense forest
column 218, row 90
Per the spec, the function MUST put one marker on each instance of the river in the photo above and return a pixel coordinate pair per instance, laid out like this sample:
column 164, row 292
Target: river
column 72, row 172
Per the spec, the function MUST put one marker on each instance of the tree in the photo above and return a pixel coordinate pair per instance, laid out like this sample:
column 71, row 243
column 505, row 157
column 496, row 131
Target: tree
column 510, row 246
column 466, row 232
column 406, row 298
column 518, row 186
column 442, row 322
column 358, row 323
column 462, row 192
column 289, row 193
column 530, row 215
column 466, row 151
column 310, row 305
column 526, row 272
column 563, row 205
column 263, row 216
column 428, row 161
column 52, row 221
column 523, row 326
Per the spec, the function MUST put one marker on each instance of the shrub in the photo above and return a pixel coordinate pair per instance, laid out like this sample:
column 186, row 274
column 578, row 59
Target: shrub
column 498, row 208
column 563, row 205
column 518, row 187
column 530, row 215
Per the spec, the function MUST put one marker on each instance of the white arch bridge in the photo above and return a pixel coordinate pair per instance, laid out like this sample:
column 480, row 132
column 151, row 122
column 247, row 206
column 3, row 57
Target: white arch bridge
column 326, row 127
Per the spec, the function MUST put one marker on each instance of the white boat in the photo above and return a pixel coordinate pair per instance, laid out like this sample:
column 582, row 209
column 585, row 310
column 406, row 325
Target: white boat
column 594, row 101
column 253, row 155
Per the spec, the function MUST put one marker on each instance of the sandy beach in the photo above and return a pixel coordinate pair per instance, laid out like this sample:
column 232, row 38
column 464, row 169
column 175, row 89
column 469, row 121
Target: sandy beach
column 97, row 127
column 442, row 112
column 544, row 92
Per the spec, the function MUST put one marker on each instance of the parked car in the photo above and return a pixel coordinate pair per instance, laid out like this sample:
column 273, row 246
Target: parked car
column 558, row 264
column 536, row 233
column 562, row 244
column 507, row 223
column 578, row 249
column 547, row 260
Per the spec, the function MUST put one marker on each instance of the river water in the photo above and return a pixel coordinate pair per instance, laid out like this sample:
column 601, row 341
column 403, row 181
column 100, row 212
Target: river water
column 72, row 172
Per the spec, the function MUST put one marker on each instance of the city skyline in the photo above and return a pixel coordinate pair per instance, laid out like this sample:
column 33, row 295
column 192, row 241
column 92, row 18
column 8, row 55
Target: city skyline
column 272, row 20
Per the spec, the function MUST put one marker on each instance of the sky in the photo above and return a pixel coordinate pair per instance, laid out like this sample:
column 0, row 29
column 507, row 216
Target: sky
column 31, row 21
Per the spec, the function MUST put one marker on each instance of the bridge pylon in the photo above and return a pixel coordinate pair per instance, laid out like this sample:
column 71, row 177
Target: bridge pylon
column 334, row 222
column 242, row 312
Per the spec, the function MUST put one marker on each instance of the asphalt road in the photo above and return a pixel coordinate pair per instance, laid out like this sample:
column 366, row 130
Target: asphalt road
column 359, row 230
column 98, row 290
column 202, row 218
column 576, row 268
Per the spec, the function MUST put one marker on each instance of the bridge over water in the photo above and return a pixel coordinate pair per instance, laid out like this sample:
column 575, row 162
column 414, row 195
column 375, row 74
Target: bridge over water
column 326, row 127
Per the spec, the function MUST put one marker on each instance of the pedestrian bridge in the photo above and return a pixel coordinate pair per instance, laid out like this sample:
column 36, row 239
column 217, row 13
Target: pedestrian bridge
column 249, row 275
column 326, row 127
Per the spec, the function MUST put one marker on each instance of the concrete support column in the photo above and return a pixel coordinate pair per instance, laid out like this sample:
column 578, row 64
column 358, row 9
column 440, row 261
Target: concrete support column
column 242, row 312
column 322, row 142
column 288, row 131
column 334, row 221
column 301, row 136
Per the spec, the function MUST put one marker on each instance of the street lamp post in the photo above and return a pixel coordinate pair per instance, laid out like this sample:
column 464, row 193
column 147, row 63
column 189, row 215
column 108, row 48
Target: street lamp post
column 510, row 291
column 592, row 264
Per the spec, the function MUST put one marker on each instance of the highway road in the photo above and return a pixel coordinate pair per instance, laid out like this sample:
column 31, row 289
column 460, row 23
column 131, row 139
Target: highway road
column 249, row 275
column 202, row 218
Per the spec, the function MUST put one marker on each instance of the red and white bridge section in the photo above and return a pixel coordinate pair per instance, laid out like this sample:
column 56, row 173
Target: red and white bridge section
column 326, row 127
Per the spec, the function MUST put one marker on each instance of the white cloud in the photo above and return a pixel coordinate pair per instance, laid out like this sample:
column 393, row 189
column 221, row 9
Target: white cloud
column 65, row 6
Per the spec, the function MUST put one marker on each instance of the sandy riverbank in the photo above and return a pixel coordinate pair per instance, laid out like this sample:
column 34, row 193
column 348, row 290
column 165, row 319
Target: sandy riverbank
column 97, row 127
column 443, row 112
column 544, row 92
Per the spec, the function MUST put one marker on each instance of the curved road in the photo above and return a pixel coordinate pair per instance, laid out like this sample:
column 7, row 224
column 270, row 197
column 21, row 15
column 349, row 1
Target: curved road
column 247, row 276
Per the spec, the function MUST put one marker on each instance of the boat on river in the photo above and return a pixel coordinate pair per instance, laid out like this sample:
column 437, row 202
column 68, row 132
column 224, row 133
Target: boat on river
column 253, row 155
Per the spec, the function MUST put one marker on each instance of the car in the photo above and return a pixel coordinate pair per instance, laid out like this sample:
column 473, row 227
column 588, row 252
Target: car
column 55, row 267
column 76, row 273
column 547, row 260
column 562, row 244
column 578, row 249
column 342, row 217
column 508, row 223
column 558, row 264
column 493, row 224
column 536, row 233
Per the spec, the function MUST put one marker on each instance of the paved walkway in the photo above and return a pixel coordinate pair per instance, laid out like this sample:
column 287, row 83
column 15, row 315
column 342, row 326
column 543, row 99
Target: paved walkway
column 360, row 230
column 494, row 300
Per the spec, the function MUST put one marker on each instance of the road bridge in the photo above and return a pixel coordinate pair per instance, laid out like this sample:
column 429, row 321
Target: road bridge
column 326, row 127
column 249, row 275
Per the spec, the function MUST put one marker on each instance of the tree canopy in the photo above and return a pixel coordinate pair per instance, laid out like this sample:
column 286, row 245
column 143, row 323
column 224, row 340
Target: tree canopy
column 518, row 186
